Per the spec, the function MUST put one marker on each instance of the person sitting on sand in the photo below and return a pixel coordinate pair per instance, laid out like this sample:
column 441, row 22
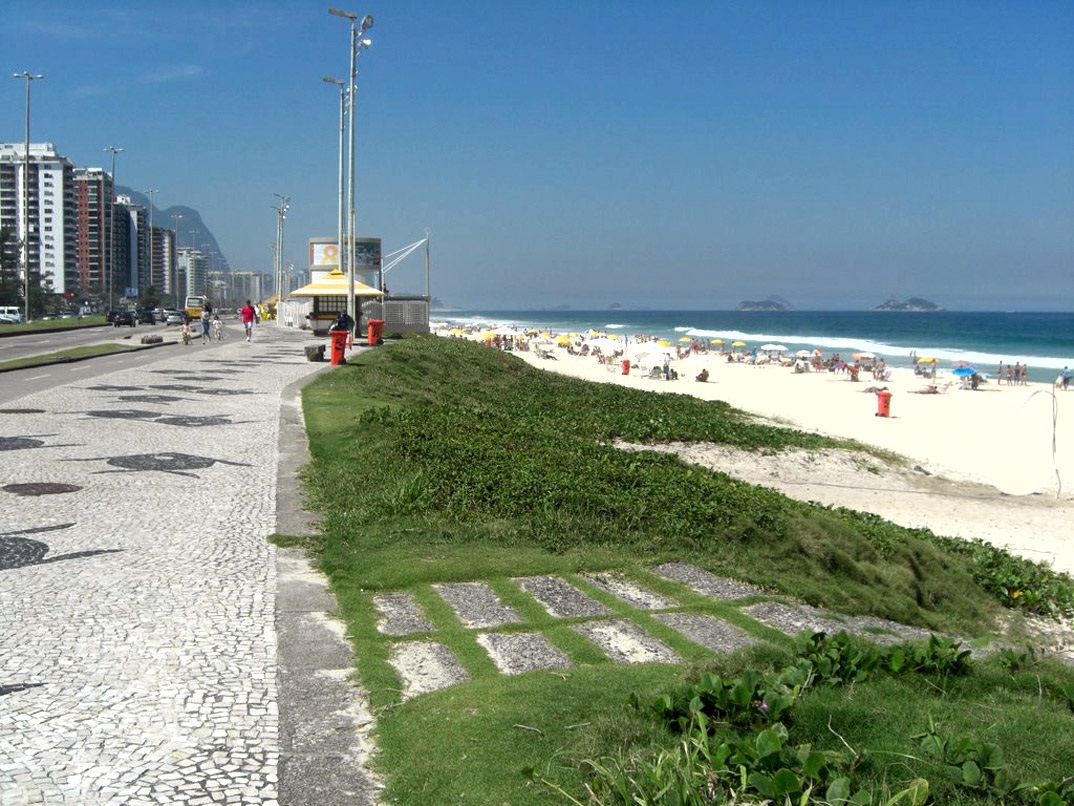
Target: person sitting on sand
column 702, row 376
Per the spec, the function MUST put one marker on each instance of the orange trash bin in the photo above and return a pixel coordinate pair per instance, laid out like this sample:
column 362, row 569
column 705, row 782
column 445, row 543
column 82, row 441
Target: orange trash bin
column 376, row 331
column 339, row 346
column 883, row 403
column 626, row 366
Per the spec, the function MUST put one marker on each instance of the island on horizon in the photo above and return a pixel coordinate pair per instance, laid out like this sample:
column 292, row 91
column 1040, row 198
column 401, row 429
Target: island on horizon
column 912, row 304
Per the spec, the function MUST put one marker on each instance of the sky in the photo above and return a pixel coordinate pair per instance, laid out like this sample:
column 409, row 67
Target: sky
column 686, row 154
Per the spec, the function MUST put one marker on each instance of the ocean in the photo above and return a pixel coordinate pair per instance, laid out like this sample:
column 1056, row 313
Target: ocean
column 1043, row 341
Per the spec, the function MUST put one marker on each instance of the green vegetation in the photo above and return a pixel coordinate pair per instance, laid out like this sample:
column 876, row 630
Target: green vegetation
column 44, row 325
column 440, row 461
column 74, row 354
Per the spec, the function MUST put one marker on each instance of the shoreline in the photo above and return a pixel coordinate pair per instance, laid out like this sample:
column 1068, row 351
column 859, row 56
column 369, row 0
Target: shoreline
column 981, row 463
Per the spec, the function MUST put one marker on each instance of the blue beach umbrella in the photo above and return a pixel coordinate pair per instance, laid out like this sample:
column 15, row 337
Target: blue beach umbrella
column 963, row 372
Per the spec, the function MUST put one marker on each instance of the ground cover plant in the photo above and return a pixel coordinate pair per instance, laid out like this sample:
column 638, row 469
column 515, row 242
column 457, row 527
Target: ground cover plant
column 441, row 460
column 74, row 354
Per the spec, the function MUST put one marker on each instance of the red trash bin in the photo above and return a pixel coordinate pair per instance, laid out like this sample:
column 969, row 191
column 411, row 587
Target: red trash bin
column 883, row 403
column 626, row 366
column 376, row 331
column 339, row 346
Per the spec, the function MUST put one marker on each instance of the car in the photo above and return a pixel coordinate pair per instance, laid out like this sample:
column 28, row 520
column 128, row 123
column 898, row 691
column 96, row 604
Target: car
column 8, row 320
column 174, row 318
column 147, row 317
column 118, row 318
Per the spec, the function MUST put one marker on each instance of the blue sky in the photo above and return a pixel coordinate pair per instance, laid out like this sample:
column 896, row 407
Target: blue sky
column 663, row 155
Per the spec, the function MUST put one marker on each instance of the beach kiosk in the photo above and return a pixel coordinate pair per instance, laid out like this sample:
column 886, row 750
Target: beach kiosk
column 329, row 294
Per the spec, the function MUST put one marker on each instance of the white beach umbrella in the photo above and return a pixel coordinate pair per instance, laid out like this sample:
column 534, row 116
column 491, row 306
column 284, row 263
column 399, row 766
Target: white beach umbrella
column 773, row 348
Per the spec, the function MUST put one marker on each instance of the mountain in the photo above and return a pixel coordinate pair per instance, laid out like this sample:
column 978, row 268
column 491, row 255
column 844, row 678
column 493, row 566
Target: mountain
column 192, row 231
column 912, row 304
column 773, row 303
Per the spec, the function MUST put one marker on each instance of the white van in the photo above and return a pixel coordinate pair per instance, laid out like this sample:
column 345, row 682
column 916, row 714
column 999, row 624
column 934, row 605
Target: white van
column 10, row 312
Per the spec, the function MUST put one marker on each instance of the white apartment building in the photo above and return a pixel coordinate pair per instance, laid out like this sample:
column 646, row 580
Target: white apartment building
column 52, row 210
column 194, row 267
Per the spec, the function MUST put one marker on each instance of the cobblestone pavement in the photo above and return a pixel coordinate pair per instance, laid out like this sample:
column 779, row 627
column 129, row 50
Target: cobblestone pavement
column 137, row 643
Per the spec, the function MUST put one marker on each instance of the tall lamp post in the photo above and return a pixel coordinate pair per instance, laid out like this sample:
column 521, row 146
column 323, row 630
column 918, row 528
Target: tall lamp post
column 342, row 127
column 277, row 278
column 176, row 217
column 27, row 77
column 151, row 193
column 356, row 46
column 112, row 227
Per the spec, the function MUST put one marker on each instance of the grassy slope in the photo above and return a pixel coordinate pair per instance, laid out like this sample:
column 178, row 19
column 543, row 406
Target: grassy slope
column 440, row 461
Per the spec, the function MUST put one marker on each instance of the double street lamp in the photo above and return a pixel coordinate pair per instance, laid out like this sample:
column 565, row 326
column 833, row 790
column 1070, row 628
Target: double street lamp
column 152, row 269
column 176, row 217
column 277, row 268
column 27, row 77
column 357, row 45
column 112, row 228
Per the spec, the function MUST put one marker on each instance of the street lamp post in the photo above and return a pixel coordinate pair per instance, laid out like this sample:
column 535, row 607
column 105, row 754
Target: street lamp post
column 176, row 217
column 27, row 77
column 356, row 46
column 277, row 277
column 342, row 127
column 151, row 193
column 112, row 228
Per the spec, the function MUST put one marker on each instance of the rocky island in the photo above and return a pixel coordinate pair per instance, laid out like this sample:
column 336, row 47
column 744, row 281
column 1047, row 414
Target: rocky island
column 912, row 304
column 771, row 304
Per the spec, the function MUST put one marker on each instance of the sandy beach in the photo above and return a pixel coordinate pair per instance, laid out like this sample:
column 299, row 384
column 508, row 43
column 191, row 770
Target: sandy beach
column 979, row 463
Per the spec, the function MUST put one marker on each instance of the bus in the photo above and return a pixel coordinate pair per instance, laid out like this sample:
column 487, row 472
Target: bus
column 195, row 305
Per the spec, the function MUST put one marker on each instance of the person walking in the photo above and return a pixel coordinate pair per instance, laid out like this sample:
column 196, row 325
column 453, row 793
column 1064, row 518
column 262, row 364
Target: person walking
column 248, row 313
column 206, row 323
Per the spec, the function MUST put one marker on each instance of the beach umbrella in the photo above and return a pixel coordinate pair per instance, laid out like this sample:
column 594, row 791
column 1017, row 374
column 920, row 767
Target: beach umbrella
column 545, row 334
column 738, row 344
column 963, row 372
column 868, row 356
column 803, row 354
column 563, row 340
column 715, row 341
column 665, row 343
column 686, row 339
column 773, row 348
column 928, row 359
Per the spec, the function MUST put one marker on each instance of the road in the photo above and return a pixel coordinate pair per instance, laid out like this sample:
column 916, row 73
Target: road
column 16, row 383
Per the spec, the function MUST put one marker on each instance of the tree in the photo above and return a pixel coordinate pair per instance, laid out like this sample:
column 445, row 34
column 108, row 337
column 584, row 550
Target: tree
column 149, row 297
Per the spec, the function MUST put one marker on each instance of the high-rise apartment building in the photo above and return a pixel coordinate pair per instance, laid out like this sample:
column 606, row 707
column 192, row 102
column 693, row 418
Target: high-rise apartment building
column 50, row 223
column 194, row 269
column 93, row 194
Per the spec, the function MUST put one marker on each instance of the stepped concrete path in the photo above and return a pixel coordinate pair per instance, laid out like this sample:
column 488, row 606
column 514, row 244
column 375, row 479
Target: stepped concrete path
column 154, row 647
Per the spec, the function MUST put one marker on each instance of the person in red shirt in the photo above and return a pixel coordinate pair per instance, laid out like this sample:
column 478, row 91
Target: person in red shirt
column 248, row 313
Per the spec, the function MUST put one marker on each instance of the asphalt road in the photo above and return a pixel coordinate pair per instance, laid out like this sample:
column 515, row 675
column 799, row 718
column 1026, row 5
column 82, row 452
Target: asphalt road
column 17, row 383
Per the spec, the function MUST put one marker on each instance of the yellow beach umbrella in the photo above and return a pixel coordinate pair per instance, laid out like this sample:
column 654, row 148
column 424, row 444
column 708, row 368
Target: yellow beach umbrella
column 563, row 340
column 458, row 331
column 738, row 344
column 685, row 339
column 545, row 334
column 665, row 343
column 715, row 341
column 487, row 335
column 928, row 359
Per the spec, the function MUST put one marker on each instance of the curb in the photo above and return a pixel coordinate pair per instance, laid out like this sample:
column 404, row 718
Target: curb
column 324, row 717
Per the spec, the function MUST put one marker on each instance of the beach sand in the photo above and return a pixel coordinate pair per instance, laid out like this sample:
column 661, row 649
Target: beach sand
column 979, row 464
